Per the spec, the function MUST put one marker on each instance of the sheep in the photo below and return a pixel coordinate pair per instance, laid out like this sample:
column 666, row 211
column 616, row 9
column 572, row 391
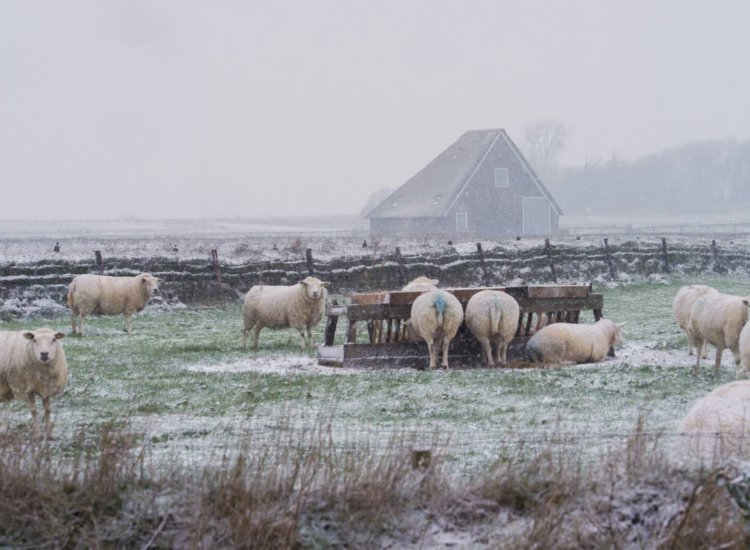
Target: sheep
column 32, row 363
column 561, row 343
column 683, row 302
column 744, row 350
column 492, row 317
column 435, row 318
column 299, row 306
column 107, row 295
column 421, row 284
column 717, row 319
column 719, row 422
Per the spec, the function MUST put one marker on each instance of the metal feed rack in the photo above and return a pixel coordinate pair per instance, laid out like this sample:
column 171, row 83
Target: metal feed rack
column 385, row 315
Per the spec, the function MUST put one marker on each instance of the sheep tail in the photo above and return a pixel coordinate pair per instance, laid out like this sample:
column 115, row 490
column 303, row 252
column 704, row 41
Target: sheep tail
column 440, row 309
column 496, row 315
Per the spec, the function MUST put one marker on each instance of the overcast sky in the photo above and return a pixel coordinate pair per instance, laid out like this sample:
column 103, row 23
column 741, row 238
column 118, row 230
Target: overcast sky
column 248, row 108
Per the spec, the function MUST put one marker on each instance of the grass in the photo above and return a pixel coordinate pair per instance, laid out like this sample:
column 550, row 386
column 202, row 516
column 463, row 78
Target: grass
column 182, row 391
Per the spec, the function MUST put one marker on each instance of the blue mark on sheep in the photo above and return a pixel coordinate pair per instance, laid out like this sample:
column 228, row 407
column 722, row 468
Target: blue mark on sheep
column 440, row 303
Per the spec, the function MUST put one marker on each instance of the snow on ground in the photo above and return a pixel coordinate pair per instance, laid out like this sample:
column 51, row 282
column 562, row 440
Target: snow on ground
column 286, row 365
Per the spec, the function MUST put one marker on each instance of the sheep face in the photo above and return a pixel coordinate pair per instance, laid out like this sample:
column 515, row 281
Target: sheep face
column 44, row 344
column 313, row 287
column 150, row 284
column 617, row 335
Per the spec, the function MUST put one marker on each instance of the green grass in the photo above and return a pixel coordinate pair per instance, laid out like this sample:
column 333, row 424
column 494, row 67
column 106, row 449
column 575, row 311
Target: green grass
column 143, row 380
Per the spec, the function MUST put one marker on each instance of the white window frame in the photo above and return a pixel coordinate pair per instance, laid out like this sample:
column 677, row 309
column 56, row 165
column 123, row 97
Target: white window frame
column 504, row 181
column 549, row 212
column 466, row 221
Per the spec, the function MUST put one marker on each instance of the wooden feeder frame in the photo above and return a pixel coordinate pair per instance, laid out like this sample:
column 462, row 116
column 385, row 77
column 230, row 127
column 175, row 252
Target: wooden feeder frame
column 385, row 314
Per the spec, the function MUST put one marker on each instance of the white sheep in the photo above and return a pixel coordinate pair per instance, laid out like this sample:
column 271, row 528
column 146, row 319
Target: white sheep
column 683, row 303
column 717, row 319
column 719, row 423
column 299, row 306
column 421, row 284
column 567, row 343
column 105, row 295
column 32, row 363
column 435, row 318
column 745, row 350
column 492, row 317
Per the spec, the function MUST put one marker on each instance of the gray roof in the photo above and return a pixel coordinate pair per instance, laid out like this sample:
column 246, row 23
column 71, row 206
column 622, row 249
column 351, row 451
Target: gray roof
column 432, row 191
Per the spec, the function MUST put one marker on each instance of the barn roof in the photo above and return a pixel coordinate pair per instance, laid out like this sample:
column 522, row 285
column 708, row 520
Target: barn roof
column 434, row 189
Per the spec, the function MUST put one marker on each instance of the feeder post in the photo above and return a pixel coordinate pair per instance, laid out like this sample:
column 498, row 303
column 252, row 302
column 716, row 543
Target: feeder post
column 331, row 323
column 400, row 261
column 664, row 254
column 480, row 252
column 309, row 257
column 215, row 265
column 99, row 261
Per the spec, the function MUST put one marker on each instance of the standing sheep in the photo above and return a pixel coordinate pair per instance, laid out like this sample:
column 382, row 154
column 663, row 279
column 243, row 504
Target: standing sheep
column 105, row 295
column 492, row 317
column 32, row 363
column 561, row 343
column 717, row 319
column 421, row 284
column 683, row 303
column 745, row 350
column 719, row 423
column 435, row 318
column 299, row 306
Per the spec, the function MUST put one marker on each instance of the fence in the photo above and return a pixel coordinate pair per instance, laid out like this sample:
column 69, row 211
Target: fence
column 212, row 281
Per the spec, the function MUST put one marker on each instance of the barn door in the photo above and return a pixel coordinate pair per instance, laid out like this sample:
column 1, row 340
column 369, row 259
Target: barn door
column 536, row 216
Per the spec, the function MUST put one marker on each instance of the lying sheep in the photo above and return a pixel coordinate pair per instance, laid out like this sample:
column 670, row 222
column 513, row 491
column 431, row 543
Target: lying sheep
column 683, row 303
column 717, row 319
column 719, row 423
column 105, row 295
column 561, row 343
column 492, row 317
column 32, row 363
column 421, row 283
column 435, row 318
column 299, row 306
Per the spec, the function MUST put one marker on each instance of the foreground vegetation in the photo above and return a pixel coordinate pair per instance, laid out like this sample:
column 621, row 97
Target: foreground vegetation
column 176, row 437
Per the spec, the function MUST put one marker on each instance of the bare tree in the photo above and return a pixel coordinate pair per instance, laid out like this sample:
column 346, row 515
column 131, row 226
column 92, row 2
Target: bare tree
column 545, row 140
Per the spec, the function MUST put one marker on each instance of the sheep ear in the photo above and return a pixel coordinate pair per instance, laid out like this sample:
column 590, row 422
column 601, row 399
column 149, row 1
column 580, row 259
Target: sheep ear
column 325, row 284
column 435, row 281
column 621, row 324
column 746, row 302
column 28, row 335
column 303, row 282
column 59, row 335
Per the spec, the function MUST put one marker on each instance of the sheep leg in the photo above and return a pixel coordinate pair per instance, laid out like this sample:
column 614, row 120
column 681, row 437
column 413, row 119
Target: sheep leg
column 30, row 400
column 717, row 362
column 431, row 349
column 502, row 351
column 444, row 344
column 128, row 322
column 304, row 340
column 256, row 333
column 46, row 401
column 698, row 346
column 309, row 337
column 486, row 352
column 73, row 321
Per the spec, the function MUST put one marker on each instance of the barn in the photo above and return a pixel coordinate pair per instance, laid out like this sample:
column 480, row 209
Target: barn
column 481, row 186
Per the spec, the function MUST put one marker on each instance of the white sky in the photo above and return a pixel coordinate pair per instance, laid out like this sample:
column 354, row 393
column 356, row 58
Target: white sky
column 246, row 108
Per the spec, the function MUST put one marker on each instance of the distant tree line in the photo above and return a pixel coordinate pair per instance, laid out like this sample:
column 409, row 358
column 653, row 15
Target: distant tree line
column 702, row 177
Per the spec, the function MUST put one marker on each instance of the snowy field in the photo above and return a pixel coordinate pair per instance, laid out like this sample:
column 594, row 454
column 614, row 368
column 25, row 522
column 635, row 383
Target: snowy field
column 183, row 382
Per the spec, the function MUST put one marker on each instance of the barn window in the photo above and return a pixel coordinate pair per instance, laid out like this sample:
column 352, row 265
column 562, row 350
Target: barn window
column 501, row 177
column 462, row 221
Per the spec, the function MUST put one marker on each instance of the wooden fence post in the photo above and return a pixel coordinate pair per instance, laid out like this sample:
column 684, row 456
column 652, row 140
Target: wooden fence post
column 715, row 253
column 481, row 264
column 99, row 261
column 400, row 261
column 548, row 250
column 664, row 254
column 215, row 265
column 308, row 255
column 608, row 259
